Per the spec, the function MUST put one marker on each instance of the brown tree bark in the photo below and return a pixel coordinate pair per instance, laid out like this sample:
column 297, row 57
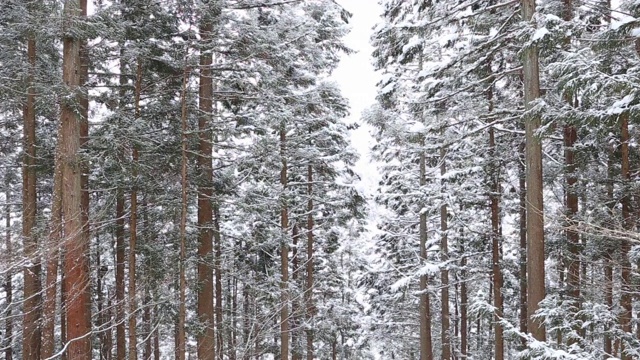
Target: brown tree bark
column 206, row 339
column 182, row 285
column 496, row 236
column 296, row 348
column 53, row 253
column 76, row 261
column 310, row 266
column 121, row 342
column 444, row 274
column 608, row 267
column 535, row 209
column 628, row 221
column 8, row 286
column 426, row 346
column 217, row 264
column 522, row 193
column 133, row 228
column 284, row 254
column 31, row 333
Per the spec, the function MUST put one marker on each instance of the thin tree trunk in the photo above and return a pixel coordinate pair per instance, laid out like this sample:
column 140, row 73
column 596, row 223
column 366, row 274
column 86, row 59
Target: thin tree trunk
column 133, row 230
column 444, row 275
column 284, row 254
column 296, row 348
column 608, row 267
column 182, row 286
column 464, row 318
column 8, row 287
column 206, row 311
column 121, row 342
column 535, row 210
column 426, row 346
column 628, row 221
column 310, row 268
column 147, row 316
column 218, row 279
column 63, row 299
column 496, row 235
column 31, row 337
column 522, row 192
column 76, row 263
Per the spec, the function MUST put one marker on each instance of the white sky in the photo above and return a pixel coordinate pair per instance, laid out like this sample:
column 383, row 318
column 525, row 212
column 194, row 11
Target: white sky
column 357, row 79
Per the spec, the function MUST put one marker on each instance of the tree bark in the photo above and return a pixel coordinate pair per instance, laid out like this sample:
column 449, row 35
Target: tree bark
column 310, row 266
column 522, row 192
column 31, row 336
column 296, row 348
column 535, row 209
column 76, row 263
column 133, row 228
column 8, row 286
column 182, row 286
column 284, row 253
column 121, row 342
column 628, row 221
column 496, row 235
column 206, row 311
column 54, row 242
column 444, row 275
column 426, row 346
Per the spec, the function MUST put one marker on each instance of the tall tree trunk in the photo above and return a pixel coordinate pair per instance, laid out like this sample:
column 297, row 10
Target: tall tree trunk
column 182, row 285
column 296, row 348
column 121, row 342
column 573, row 237
column 133, row 228
column 310, row 268
column 496, row 235
column 149, row 241
column 76, row 263
column 608, row 267
column 464, row 301
column 31, row 337
column 83, row 101
column 284, row 253
column 63, row 298
column 51, row 282
column 522, row 193
column 628, row 221
column 535, row 209
column 426, row 346
column 444, row 275
column 217, row 264
column 8, row 287
column 206, row 311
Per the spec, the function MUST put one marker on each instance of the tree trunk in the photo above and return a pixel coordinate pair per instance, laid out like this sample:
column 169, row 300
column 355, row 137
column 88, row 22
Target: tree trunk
column 76, row 263
column 218, row 279
column 444, row 275
column 284, row 253
column 31, row 337
column 496, row 235
column 133, row 229
column 52, row 251
column 121, row 342
column 296, row 348
column 310, row 268
column 206, row 312
column 535, row 209
column 426, row 346
column 522, row 192
column 8, row 286
column 608, row 267
column 182, row 286
column 628, row 221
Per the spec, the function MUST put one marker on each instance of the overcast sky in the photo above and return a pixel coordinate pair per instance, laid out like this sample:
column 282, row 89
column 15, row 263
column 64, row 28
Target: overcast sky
column 358, row 80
